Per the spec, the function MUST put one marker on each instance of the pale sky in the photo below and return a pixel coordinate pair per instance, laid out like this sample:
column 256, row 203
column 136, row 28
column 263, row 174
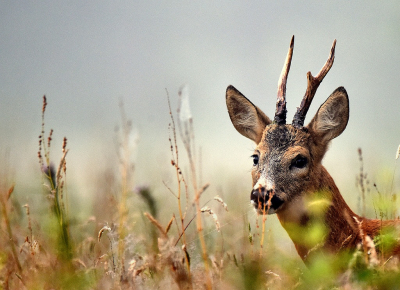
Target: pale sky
column 86, row 55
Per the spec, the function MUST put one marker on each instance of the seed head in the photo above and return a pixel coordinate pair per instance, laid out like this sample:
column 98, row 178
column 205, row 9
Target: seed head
column 44, row 104
column 214, row 216
column 49, row 138
column 64, row 144
column 219, row 199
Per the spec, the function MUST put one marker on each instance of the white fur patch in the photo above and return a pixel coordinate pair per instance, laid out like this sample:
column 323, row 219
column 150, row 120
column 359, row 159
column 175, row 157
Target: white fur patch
column 245, row 120
column 264, row 182
column 328, row 120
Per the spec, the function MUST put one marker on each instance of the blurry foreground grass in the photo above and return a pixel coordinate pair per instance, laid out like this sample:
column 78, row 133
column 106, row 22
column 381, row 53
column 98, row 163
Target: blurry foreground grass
column 199, row 243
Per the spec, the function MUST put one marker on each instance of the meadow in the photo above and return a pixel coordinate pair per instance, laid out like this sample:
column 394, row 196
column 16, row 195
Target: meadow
column 204, row 241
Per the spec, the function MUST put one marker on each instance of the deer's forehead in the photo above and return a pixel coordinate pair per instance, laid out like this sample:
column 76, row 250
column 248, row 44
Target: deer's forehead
column 283, row 137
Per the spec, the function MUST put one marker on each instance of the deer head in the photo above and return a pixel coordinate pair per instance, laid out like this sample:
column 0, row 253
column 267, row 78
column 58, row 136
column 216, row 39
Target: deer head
column 287, row 158
column 287, row 171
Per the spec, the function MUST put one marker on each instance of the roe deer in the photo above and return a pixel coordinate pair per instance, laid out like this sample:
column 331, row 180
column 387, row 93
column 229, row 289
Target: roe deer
column 287, row 172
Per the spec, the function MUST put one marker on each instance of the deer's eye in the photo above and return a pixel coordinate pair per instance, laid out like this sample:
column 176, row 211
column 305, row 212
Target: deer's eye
column 299, row 162
column 255, row 159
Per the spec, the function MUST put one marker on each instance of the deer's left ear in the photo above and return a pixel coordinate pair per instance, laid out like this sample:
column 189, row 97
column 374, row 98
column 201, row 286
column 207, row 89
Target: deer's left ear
column 332, row 117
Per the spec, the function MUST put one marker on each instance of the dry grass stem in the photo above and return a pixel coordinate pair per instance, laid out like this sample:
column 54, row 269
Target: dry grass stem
column 265, row 210
column 168, row 227
column 180, row 179
column 102, row 230
column 156, row 223
column 363, row 239
column 169, row 189
column 4, row 198
column 219, row 199
column 10, row 191
column 214, row 216
column 204, row 188
column 361, row 179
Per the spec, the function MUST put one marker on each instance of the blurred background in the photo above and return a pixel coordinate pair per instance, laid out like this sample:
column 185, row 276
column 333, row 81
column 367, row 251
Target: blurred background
column 88, row 56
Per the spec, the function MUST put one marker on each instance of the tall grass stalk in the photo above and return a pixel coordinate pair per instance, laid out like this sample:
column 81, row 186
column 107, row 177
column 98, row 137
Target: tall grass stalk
column 4, row 198
column 5, row 194
column 266, row 208
column 124, row 148
column 55, row 187
column 361, row 178
column 186, row 131
column 180, row 179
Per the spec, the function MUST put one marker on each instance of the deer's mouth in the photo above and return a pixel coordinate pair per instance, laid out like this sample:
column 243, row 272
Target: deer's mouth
column 265, row 201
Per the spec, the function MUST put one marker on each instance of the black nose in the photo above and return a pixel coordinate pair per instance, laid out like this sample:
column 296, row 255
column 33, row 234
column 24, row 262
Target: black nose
column 261, row 196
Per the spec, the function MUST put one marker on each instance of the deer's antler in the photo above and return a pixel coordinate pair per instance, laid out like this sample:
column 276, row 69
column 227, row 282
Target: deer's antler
column 280, row 113
column 312, row 86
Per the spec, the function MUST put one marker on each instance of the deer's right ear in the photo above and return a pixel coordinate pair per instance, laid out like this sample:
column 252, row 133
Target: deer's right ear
column 247, row 118
column 332, row 117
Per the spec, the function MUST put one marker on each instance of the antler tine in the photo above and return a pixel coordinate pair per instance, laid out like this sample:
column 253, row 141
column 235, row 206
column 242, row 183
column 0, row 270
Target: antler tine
column 312, row 86
column 280, row 113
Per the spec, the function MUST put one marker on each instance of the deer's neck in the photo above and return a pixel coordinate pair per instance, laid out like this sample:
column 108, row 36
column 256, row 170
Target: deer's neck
column 298, row 218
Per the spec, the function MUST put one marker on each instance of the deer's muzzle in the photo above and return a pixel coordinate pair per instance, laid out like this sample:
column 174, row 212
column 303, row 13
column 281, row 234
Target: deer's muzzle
column 265, row 201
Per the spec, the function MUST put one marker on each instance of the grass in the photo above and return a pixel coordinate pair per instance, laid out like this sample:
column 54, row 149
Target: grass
column 202, row 242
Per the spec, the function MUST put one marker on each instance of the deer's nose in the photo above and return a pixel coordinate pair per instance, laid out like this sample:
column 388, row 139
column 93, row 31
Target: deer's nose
column 264, row 199
column 260, row 197
column 261, row 192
